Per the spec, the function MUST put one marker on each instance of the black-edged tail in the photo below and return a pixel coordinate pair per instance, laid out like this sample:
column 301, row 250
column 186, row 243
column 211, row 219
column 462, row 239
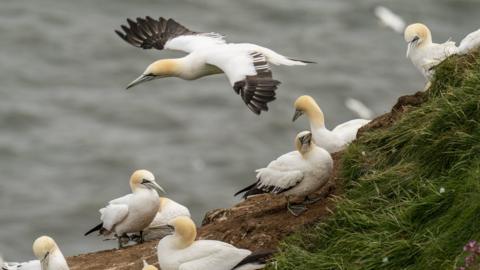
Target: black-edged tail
column 259, row 257
column 96, row 228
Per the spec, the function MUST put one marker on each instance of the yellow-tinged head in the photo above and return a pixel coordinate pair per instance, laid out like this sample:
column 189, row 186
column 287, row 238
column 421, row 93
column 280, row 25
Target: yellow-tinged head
column 43, row 247
column 185, row 230
column 144, row 179
column 158, row 69
column 307, row 105
column 417, row 35
column 146, row 266
column 304, row 142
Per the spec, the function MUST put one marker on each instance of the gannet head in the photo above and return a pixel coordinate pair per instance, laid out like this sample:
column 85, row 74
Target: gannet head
column 158, row 69
column 185, row 230
column 417, row 35
column 304, row 142
column 43, row 247
column 144, row 179
column 146, row 266
column 307, row 105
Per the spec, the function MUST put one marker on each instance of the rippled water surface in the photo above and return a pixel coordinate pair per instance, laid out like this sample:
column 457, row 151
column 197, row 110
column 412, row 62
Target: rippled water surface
column 70, row 135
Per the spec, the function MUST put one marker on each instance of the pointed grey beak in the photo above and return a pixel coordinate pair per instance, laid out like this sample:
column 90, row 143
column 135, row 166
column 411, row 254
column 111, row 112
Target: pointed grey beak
column 305, row 141
column 411, row 44
column 297, row 114
column 152, row 185
column 141, row 79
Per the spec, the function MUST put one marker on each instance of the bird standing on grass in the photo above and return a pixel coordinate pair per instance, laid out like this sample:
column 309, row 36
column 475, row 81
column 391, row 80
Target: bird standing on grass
column 48, row 254
column 246, row 65
column 298, row 173
column 180, row 251
column 425, row 54
column 131, row 213
column 331, row 140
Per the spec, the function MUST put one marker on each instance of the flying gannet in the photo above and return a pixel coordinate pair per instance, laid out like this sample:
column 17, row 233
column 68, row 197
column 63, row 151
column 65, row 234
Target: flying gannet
column 390, row 19
column 180, row 251
column 147, row 266
column 133, row 212
column 48, row 254
column 246, row 65
column 334, row 140
column 425, row 54
column 297, row 173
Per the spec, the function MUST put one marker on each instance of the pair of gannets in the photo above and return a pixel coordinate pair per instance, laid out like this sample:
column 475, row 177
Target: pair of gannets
column 246, row 65
column 141, row 210
column 49, row 257
column 181, row 251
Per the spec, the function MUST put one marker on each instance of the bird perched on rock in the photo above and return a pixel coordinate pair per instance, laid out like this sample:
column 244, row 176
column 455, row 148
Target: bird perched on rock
column 48, row 254
column 425, row 54
column 297, row 173
column 180, row 251
column 331, row 140
column 246, row 65
column 133, row 212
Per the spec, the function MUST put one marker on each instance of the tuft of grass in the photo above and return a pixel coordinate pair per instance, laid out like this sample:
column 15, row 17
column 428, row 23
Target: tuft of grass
column 411, row 191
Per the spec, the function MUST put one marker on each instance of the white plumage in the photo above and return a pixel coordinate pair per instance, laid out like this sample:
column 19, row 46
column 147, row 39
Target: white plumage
column 181, row 252
column 168, row 210
column 359, row 108
column 389, row 19
column 246, row 65
column 331, row 140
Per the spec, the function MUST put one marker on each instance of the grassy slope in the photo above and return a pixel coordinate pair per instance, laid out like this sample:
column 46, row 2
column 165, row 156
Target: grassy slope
column 392, row 214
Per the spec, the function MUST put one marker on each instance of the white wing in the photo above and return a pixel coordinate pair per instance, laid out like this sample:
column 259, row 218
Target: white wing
column 390, row 19
column 281, row 174
column 211, row 255
column 470, row 42
column 113, row 214
column 358, row 107
column 30, row 265
column 348, row 130
column 170, row 210
column 192, row 43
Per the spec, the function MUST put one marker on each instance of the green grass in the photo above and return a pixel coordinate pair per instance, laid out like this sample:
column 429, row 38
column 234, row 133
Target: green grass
column 392, row 214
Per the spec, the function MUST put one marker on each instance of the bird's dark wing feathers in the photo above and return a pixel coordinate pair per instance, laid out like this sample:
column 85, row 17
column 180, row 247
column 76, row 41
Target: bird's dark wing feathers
column 255, row 189
column 150, row 33
column 257, row 90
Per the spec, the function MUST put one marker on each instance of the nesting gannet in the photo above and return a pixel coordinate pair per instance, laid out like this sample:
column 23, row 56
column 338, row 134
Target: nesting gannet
column 48, row 254
column 133, row 212
column 389, row 19
column 425, row 54
column 246, row 65
column 331, row 140
column 180, row 251
column 147, row 266
column 297, row 173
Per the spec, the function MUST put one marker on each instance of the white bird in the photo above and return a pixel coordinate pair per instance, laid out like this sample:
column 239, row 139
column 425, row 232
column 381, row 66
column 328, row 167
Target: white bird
column 168, row 210
column 147, row 266
column 425, row 54
column 246, row 65
column 358, row 107
column 48, row 254
column 297, row 173
column 180, row 251
column 331, row 140
column 390, row 19
column 133, row 212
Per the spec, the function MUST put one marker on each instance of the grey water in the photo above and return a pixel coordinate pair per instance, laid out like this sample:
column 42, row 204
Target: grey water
column 71, row 135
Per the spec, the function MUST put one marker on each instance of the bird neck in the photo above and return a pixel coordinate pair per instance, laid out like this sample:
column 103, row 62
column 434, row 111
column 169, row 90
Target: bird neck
column 185, row 237
column 315, row 116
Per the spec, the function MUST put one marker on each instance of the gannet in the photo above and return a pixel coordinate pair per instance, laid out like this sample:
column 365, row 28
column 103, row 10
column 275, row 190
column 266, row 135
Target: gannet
column 48, row 254
column 133, row 212
column 334, row 140
column 147, row 266
column 390, row 19
column 297, row 173
column 246, row 65
column 425, row 54
column 180, row 251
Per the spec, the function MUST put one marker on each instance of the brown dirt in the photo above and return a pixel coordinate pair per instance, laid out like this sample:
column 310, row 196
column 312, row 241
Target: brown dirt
column 257, row 223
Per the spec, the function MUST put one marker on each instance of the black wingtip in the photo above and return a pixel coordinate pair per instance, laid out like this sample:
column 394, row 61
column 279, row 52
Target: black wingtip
column 303, row 61
column 260, row 257
column 96, row 228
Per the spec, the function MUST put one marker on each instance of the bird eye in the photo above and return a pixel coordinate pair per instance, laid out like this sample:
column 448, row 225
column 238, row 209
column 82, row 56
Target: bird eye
column 415, row 39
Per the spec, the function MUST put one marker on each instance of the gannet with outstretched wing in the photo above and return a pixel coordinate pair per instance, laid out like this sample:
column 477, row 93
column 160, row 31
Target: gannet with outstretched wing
column 297, row 173
column 246, row 65
column 133, row 212
column 331, row 140
column 180, row 251
column 425, row 54
column 48, row 254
